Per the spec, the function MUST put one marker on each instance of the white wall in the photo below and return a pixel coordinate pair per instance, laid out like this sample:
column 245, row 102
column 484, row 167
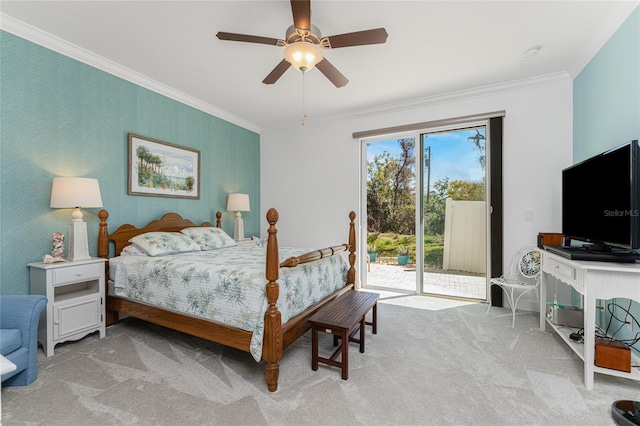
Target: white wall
column 311, row 173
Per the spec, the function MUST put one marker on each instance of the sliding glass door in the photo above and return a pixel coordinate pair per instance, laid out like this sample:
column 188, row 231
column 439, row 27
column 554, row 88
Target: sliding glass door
column 391, row 213
column 425, row 198
column 454, row 212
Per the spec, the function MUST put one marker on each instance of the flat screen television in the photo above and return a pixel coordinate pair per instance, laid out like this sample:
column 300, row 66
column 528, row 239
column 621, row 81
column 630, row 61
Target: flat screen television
column 601, row 203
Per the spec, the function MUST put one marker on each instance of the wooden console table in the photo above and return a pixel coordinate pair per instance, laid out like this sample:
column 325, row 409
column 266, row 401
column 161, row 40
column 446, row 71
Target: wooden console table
column 593, row 280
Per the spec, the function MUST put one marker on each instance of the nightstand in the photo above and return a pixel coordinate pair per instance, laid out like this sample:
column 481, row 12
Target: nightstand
column 75, row 293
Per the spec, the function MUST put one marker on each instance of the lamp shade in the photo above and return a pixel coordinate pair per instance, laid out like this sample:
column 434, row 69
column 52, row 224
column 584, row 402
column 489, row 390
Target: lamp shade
column 238, row 202
column 71, row 192
column 303, row 55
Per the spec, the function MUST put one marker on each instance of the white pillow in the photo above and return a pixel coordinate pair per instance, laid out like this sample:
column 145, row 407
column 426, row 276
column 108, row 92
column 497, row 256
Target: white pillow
column 132, row 250
column 162, row 243
column 209, row 238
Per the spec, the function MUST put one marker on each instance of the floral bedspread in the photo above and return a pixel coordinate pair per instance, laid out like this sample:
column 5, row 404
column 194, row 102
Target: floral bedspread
column 228, row 285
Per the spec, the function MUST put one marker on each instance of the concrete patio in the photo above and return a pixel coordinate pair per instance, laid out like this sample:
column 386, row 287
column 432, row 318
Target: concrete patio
column 438, row 282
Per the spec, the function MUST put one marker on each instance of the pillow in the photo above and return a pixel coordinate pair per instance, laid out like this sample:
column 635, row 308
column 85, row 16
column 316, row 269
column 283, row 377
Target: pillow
column 132, row 250
column 209, row 238
column 161, row 243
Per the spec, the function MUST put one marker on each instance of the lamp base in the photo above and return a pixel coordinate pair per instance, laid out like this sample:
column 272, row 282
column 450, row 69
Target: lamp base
column 78, row 244
column 238, row 228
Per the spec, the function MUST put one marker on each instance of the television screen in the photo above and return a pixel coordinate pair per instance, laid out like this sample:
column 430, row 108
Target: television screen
column 600, row 199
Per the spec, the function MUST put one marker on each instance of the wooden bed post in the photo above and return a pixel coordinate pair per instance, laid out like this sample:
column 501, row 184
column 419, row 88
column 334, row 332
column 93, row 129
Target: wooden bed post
column 111, row 317
column 103, row 233
column 273, row 339
column 351, row 275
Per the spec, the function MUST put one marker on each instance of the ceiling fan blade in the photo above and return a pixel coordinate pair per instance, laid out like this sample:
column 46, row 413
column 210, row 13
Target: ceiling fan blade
column 277, row 72
column 247, row 38
column 332, row 73
column 358, row 38
column 301, row 10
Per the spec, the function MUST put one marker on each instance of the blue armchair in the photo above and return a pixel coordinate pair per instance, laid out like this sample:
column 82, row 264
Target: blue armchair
column 19, row 317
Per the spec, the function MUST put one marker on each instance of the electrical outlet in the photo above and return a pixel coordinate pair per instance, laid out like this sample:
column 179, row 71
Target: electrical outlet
column 629, row 322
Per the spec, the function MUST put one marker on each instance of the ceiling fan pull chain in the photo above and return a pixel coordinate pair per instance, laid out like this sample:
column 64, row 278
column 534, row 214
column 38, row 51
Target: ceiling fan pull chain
column 304, row 96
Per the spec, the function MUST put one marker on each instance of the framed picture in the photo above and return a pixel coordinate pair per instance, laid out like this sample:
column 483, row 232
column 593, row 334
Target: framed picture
column 161, row 169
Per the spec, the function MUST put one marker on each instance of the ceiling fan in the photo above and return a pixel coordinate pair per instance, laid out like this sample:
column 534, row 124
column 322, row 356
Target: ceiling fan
column 304, row 44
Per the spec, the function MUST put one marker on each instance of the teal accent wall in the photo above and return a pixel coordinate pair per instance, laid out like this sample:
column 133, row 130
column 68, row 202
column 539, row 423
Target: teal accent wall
column 606, row 94
column 60, row 117
column 606, row 113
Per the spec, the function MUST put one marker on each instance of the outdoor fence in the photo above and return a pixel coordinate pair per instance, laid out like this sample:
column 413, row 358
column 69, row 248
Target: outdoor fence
column 465, row 240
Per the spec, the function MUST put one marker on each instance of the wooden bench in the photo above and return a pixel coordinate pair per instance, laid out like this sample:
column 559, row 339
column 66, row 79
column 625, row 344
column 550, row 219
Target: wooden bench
column 343, row 318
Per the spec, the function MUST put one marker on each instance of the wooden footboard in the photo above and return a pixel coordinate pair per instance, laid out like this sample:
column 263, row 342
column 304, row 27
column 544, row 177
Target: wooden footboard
column 276, row 335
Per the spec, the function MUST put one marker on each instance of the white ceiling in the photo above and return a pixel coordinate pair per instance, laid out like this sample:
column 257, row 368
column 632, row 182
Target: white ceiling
column 434, row 47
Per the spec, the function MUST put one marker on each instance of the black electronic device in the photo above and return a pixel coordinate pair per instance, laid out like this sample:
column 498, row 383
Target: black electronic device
column 584, row 253
column 601, row 206
column 626, row 412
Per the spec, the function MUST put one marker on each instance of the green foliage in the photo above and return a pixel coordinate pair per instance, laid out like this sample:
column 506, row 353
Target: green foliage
column 433, row 256
column 466, row 191
column 391, row 190
column 403, row 250
column 434, row 207
column 150, row 173
column 189, row 183
column 391, row 202
column 405, row 239
column 386, row 244
column 391, row 245
column 430, row 240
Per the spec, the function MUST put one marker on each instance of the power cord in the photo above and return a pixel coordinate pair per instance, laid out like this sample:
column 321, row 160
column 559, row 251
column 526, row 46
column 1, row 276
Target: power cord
column 613, row 308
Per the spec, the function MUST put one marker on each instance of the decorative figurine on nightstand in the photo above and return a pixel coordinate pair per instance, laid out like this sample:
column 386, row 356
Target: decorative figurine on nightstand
column 57, row 245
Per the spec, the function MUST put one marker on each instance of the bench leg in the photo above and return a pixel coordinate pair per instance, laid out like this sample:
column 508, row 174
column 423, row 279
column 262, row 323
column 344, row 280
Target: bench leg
column 375, row 319
column 345, row 355
column 362, row 335
column 314, row 349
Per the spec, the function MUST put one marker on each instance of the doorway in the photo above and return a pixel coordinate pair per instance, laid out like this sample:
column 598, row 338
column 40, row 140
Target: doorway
column 431, row 184
column 454, row 213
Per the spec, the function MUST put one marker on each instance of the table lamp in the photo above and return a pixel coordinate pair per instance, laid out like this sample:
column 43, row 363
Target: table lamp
column 75, row 192
column 238, row 203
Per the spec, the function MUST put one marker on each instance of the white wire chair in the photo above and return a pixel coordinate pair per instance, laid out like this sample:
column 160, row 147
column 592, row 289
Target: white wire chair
column 523, row 277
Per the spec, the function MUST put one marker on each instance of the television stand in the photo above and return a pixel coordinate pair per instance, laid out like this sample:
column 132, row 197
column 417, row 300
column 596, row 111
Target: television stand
column 593, row 280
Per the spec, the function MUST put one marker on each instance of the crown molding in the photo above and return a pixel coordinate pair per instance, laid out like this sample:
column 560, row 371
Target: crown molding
column 466, row 94
column 444, row 98
column 49, row 41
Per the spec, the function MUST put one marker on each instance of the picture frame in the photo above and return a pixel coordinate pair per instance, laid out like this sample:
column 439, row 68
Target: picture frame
column 161, row 169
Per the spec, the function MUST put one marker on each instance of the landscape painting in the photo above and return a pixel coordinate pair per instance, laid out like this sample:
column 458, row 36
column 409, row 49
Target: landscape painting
column 162, row 169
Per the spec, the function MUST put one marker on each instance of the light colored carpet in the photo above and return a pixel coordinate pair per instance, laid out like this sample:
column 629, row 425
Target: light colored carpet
column 432, row 362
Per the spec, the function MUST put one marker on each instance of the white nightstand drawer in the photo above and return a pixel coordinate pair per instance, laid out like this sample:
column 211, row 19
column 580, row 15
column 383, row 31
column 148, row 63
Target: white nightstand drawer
column 77, row 273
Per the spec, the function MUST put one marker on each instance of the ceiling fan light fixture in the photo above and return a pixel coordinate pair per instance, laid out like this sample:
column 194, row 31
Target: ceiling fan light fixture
column 303, row 55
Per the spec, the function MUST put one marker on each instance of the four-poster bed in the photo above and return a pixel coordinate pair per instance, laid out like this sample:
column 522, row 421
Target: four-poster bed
column 276, row 335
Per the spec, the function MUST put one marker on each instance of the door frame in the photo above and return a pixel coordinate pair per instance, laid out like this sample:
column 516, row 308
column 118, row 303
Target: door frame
column 494, row 136
column 420, row 196
column 362, row 264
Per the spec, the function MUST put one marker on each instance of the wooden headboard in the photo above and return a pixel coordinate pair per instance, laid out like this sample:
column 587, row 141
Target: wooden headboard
column 170, row 222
